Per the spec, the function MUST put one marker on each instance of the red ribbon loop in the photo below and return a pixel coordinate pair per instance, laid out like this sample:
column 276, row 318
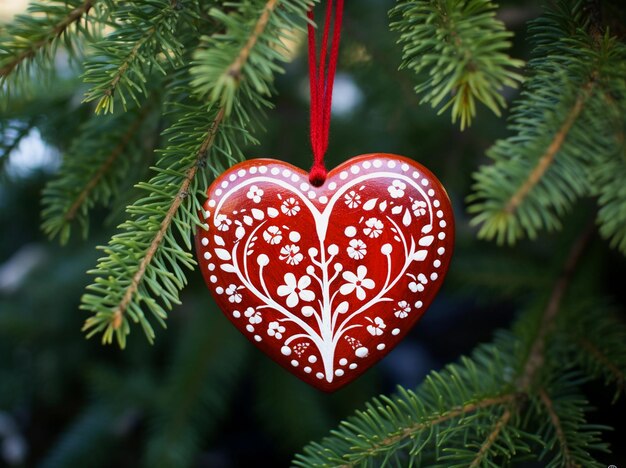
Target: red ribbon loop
column 321, row 81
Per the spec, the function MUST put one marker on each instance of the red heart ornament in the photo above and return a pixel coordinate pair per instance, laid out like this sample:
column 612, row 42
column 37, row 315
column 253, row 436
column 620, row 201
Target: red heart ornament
column 326, row 280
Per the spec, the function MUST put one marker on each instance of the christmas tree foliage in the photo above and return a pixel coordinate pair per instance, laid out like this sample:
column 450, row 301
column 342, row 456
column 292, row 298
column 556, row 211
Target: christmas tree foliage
column 148, row 101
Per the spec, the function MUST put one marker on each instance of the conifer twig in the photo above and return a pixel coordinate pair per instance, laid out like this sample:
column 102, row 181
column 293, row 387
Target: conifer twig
column 422, row 425
column 108, row 92
column 182, row 193
column 546, row 159
column 600, row 356
column 558, row 428
column 493, row 436
column 75, row 15
column 235, row 69
column 536, row 356
column 106, row 165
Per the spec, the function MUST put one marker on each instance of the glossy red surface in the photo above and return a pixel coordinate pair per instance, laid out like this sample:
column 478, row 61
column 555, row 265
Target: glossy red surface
column 326, row 280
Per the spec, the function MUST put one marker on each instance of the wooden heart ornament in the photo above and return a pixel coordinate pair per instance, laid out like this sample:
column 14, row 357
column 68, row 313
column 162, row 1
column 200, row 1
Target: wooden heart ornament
column 326, row 280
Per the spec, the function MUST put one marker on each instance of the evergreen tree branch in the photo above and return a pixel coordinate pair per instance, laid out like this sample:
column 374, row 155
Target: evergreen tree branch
column 547, row 158
column 559, row 409
column 410, row 427
column 31, row 39
column 491, row 439
column 595, row 341
column 106, row 166
column 617, row 374
column 236, row 67
column 150, row 35
column 536, row 355
column 568, row 462
column 46, row 37
column 181, row 194
column 457, row 49
column 143, row 266
column 563, row 130
column 449, row 415
column 92, row 171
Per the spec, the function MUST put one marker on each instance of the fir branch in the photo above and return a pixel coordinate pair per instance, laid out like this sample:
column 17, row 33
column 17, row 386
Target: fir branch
column 536, row 354
column 149, row 36
column 181, row 194
column 558, row 428
column 491, row 439
column 614, row 372
column 92, row 171
column 481, row 398
column 32, row 38
column 553, row 148
column 595, row 341
column 128, row 293
column 219, row 77
column 143, row 266
column 562, row 130
column 457, row 49
column 560, row 410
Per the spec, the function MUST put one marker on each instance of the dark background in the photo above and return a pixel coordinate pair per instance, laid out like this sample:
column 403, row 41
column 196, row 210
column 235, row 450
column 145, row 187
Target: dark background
column 202, row 395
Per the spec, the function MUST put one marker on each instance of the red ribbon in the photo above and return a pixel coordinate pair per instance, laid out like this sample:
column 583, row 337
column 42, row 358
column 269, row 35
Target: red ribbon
column 321, row 80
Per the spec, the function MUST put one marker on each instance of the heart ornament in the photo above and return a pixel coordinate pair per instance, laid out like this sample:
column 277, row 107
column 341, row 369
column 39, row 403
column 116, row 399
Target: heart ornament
column 326, row 280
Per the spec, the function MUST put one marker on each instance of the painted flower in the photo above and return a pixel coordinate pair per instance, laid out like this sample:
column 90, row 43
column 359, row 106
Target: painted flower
column 396, row 189
column 222, row 222
column 273, row 235
column 276, row 330
column 373, row 227
column 255, row 194
column 290, row 206
column 254, row 317
column 296, row 289
column 356, row 283
column 357, row 249
column 419, row 208
column 353, row 199
column 377, row 326
column 402, row 310
column 291, row 254
column 233, row 294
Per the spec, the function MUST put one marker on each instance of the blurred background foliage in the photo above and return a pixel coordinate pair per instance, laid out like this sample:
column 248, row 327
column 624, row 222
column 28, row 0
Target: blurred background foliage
column 201, row 395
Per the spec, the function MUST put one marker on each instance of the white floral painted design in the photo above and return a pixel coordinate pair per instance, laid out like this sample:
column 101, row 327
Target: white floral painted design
column 402, row 310
column 373, row 228
column 290, row 206
column 352, row 199
column 255, row 194
column 377, row 327
column 295, row 290
column 310, row 314
column 396, row 189
column 419, row 208
column 291, row 254
column 357, row 249
column 222, row 222
column 234, row 296
column 253, row 316
column 276, row 330
column 273, row 235
column 356, row 283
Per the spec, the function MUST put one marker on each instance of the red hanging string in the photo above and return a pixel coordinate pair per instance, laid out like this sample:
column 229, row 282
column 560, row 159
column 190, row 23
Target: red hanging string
column 321, row 81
